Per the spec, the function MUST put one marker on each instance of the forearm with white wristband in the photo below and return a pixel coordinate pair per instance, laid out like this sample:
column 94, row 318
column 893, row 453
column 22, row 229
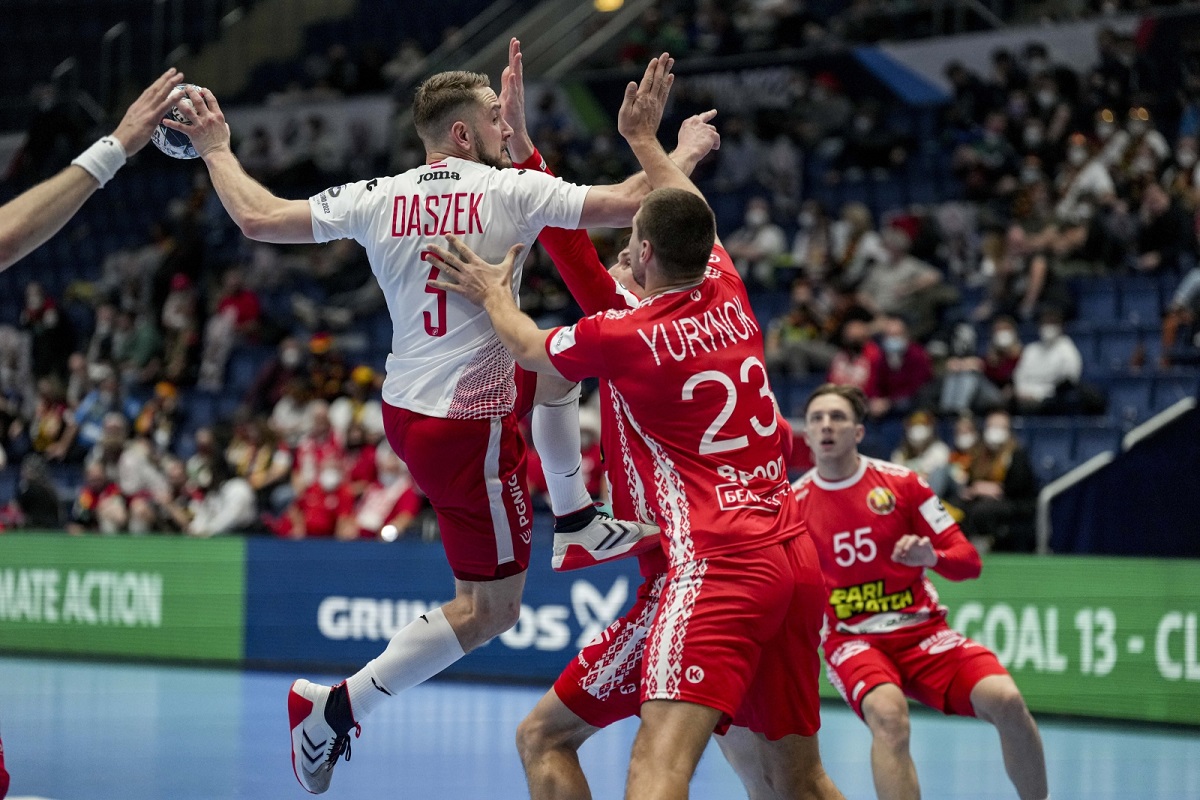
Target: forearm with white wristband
column 102, row 159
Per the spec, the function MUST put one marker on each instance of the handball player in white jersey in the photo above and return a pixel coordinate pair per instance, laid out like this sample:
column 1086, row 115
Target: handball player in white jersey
column 735, row 634
column 451, row 399
column 878, row 526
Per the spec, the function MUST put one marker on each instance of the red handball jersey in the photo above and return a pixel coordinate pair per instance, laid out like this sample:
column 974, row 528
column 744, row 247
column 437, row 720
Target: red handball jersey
column 856, row 524
column 596, row 291
column 694, row 423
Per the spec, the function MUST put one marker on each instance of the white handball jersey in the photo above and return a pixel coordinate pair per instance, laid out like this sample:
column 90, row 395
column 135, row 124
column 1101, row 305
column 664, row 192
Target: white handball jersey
column 446, row 360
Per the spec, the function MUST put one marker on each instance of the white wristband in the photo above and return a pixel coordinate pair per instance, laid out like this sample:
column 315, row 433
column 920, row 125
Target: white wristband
column 103, row 159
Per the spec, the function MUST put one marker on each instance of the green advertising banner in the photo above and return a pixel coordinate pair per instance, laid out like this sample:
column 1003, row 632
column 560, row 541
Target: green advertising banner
column 151, row 597
column 1094, row 636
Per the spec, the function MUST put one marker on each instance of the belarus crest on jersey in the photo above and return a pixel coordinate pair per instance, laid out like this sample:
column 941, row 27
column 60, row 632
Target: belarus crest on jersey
column 881, row 500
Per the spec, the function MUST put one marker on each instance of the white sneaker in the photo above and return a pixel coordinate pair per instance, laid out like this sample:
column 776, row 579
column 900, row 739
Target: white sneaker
column 315, row 747
column 604, row 539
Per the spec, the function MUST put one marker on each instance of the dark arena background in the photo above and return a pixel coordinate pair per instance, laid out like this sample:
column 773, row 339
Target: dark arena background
column 983, row 211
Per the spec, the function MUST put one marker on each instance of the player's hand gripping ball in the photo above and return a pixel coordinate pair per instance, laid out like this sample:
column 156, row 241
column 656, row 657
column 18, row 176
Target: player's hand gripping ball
column 172, row 142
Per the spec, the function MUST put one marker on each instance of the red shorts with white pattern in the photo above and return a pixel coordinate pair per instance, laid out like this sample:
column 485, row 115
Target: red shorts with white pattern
column 473, row 472
column 931, row 663
column 739, row 633
column 602, row 685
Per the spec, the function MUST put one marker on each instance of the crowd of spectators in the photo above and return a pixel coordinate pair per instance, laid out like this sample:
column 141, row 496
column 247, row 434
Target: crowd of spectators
column 953, row 313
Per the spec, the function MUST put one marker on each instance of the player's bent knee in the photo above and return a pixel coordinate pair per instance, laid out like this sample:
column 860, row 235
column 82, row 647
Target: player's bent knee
column 887, row 715
column 493, row 620
column 1006, row 707
column 535, row 738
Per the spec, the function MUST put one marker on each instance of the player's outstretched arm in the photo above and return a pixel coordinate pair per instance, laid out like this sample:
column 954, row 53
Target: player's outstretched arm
column 490, row 286
column 34, row 216
column 614, row 206
column 512, row 104
column 261, row 215
column 638, row 119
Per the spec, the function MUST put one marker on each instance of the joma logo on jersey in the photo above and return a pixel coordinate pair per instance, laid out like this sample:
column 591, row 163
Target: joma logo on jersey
column 437, row 176
column 881, row 500
column 867, row 598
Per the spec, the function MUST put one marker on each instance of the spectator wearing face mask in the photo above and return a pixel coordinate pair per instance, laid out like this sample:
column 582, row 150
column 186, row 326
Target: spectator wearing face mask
column 812, row 245
column 318, row 448
column 1050, row 106
column 1145, row 142
column 987, row 166
column 857, row 361
column 1047, row 368
column 392, row 499
column 1000, row 496
column 1182, row 177
column 1023, row 283
column 358, row 405
column 1083, row 183
column 903, row 372
column 99, row 506
column 794, row 344
column 856, row 244
column 903, row 285
column 923, row 452
column 325, row 508
column 225, row 503
column 757, row 246
column 85, row 430
column 965, row 448
column 979, row 384
column 274, row 377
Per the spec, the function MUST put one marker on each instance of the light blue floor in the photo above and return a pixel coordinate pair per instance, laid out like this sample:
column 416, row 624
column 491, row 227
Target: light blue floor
column 83, row 731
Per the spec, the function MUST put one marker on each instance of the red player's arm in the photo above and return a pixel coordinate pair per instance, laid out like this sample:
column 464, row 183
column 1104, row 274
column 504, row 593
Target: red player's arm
column 576, row 259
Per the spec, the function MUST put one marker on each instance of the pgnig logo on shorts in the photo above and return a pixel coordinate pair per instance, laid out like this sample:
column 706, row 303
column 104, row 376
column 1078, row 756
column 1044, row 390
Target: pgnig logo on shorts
column 694, row 674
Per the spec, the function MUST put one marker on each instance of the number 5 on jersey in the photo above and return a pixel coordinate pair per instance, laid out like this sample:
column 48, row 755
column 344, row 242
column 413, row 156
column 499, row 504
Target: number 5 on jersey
column 435, row 321
column 863, row 549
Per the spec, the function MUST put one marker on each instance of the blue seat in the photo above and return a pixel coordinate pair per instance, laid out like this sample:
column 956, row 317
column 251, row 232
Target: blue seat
column 1170, row 389
column 1115, row 347
column 244, row 365
column 1129, row 398
column 1098, row 302
column 1093, row 439
column 9, row 476
column 200, row 408
column 1140, row 302
column 1050, row 450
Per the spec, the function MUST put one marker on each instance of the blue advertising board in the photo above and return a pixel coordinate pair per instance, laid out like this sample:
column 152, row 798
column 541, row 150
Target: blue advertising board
column 334, row 605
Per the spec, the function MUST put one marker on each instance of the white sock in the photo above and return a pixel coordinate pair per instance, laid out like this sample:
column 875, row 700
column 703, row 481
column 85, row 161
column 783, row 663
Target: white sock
column 421, row 649
column 557, row 439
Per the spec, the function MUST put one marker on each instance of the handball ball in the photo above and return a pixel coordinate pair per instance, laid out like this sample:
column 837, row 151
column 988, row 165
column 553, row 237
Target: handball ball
column 172, row 142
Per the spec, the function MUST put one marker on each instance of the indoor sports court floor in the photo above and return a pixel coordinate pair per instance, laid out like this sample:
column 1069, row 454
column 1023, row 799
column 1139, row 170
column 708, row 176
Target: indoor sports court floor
column 90, row 731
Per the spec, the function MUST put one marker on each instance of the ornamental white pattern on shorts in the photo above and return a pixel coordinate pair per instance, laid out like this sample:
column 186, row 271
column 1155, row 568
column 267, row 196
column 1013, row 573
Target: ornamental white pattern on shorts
column 445, row 359
column 611, row 670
